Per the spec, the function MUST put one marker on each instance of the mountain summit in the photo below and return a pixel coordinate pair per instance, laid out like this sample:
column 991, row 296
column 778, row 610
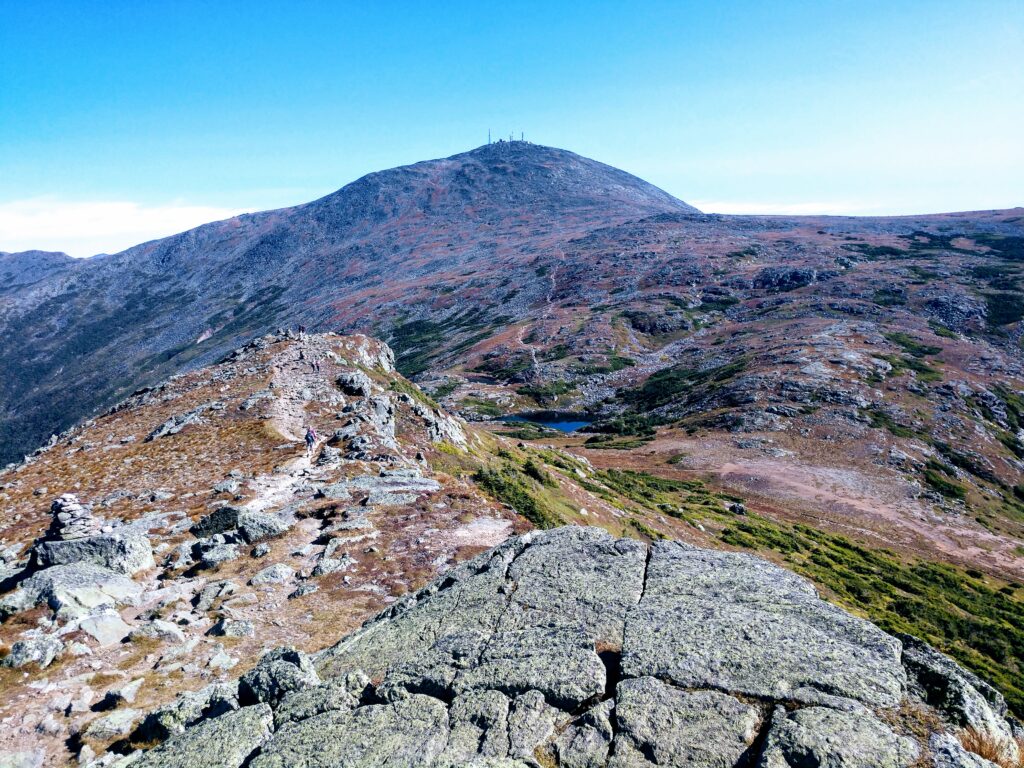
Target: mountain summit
column 496, row 183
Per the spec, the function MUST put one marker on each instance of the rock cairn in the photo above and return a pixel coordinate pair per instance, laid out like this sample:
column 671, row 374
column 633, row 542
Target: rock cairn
column 72, row 520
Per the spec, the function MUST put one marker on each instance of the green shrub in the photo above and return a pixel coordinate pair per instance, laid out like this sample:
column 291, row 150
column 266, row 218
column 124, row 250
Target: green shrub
column 1004, row 307
column 546, row 393
column 532, row 470
column 508, row 487
column 933, row 475
column 912, row 346
column 670, row 384
column 879, row 419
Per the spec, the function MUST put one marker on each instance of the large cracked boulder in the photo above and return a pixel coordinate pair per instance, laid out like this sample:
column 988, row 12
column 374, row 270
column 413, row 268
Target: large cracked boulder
column 72, row 591
column 754, row 629
column 127, row 553
column 960, row 695
column 660, row 724
column 824, row 736
column 572, row 648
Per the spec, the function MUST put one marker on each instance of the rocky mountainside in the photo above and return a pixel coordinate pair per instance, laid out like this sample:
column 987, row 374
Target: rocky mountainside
column 27, row 267
column 178, row 536
column 517, row 277
column 842, row 397
column 572, row 648
column 114, row 323
column 182, row 582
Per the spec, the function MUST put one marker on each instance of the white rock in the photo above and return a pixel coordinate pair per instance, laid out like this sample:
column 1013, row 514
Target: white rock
column 107, row 628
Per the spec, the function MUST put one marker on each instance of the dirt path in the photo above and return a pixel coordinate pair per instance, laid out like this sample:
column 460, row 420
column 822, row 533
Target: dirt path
column 294, row 382
column 274, row 490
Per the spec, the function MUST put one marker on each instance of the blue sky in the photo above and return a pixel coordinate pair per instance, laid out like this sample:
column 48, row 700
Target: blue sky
column 123, row 121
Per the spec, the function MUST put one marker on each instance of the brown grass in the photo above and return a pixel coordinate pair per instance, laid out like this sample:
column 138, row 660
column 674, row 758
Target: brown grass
column 984, row 744
column 912, row 719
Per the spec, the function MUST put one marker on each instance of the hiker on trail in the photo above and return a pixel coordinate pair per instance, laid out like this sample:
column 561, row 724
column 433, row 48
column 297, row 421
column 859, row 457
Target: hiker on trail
column 310, row 439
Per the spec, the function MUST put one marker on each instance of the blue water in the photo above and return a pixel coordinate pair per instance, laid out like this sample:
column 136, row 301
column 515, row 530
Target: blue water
column 559, row 424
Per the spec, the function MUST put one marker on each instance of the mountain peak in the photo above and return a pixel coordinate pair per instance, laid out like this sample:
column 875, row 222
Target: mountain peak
column 506, row 178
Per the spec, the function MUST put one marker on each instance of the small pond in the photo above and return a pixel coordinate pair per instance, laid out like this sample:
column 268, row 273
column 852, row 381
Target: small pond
column 563, row 422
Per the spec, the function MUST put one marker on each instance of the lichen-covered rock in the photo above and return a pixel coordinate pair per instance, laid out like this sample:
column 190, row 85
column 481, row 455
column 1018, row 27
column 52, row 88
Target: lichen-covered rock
column 118, row 723
column 128, row 552
column 213, row 591
column 226, row 627
column 947, row 752
column 441, row 428
column 251, row 526
column 560, row 662
column 576, row 649
column 278, row 573
column 158, row 629
column 468, row 599
column 734, row 622
column 662, row 725
column 411, row 732
column 532, row 722
column 179, row 421
column 105, row 626
column 212, row 552
column 577, row 576
column 72, row 591
column 41, row 650
column 338, row 694
column 355, row 383
column 822, row 736
column 188, row 709
column 586, row 741
column 478, row 722
column 278, row 673
column 965, row 699
column 226, row 741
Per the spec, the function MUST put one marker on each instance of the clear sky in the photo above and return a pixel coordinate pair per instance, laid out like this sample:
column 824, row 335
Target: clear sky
column 121, row 121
